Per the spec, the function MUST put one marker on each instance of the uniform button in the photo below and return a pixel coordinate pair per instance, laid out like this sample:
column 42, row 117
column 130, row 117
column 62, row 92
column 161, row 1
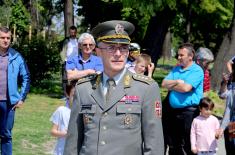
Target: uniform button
column 105, row 114
column 102, row 142
column 104, row 127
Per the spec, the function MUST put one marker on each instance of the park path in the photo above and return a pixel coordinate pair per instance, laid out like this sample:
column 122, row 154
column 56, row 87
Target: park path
column 221, row 147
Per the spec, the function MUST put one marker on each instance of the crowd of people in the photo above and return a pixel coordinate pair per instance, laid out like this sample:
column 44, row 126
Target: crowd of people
column 113, row 105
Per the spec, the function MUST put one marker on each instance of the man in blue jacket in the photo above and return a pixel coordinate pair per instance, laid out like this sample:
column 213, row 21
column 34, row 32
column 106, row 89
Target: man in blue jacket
column 13, row 71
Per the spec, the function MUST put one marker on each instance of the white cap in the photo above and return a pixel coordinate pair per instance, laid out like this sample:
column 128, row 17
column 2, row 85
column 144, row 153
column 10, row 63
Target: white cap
column 134, row 47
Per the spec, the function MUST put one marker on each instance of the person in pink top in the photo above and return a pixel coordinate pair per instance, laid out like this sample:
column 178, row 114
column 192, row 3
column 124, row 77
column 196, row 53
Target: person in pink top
column 204, row 130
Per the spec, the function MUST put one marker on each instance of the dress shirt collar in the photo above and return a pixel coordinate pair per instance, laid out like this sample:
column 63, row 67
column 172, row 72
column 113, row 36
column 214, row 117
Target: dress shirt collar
column 116, row 78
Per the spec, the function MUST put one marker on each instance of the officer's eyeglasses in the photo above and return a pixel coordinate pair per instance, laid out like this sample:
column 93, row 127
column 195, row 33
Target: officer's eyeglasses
column 90, row 45
column 113, row 49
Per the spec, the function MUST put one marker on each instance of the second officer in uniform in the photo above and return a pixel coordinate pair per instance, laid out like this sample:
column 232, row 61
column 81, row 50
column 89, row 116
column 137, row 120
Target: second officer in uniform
column 116, row 112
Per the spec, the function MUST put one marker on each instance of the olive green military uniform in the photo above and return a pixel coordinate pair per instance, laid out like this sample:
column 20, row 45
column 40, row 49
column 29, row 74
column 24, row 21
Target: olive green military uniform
column 129, row 125
column 129, row 122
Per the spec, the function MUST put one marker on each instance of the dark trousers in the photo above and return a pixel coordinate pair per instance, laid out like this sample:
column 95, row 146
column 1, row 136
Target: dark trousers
column 176, row 128
column 229, row 143
column 165, row 119
column 6, row 124
column 64, row 78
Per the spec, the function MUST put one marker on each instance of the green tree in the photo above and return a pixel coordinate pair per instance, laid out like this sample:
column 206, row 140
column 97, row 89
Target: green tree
column 96, row 11
column 68, row 16
column 225, row 53
column 5, row 13
column 41, row 57
column 20, row 17
column 14, row 13
column 202, row 23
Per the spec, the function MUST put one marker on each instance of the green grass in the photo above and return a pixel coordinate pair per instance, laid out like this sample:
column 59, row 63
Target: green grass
column 31, row 133
column 219, row 103
column 32, row 126
column 51, row 87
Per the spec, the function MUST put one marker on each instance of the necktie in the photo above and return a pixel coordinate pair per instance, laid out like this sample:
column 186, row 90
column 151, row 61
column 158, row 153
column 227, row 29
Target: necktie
column 110, row 87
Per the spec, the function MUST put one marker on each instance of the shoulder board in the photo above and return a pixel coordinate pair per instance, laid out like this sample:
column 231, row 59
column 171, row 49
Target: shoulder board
column 86, row 79
column 142, row 78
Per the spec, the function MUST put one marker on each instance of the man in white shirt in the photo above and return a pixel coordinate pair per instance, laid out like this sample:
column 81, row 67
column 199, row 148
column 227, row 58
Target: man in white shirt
column 69, row 49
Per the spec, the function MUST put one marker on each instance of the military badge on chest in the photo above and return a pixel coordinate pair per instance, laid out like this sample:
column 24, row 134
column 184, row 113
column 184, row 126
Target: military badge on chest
column 86, row 119
column 128, row 120
column 88, row 111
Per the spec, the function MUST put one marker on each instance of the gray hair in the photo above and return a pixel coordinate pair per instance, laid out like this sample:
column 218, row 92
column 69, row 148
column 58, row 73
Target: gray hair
column 85, row 36
column 204, row 54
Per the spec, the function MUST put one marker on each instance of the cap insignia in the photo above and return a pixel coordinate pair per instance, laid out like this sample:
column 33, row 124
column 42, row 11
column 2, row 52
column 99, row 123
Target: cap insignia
column 119, row 29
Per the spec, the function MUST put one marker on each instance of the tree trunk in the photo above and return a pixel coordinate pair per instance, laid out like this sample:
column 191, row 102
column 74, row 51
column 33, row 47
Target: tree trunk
column 68, row 16
column 187, row 37
column 166, row 50
column 156, row 32
column 225, row 53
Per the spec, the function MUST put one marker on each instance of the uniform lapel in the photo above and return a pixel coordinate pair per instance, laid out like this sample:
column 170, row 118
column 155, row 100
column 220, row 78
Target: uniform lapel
column 116, row 96
column 119, row 92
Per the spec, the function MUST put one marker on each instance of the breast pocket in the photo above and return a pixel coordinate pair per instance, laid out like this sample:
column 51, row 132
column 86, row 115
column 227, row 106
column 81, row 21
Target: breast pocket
column 129, row 115
column 88, row 112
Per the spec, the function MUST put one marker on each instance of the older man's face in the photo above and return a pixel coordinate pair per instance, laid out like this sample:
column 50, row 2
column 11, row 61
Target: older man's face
column 114, row 57
column 184, row 58
column 87, row 46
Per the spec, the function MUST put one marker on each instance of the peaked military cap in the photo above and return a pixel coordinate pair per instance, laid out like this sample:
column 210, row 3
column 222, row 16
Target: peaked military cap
column 114, row 31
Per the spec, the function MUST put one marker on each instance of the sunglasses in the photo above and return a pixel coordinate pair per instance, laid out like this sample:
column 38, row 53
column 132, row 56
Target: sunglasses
column 90, row 45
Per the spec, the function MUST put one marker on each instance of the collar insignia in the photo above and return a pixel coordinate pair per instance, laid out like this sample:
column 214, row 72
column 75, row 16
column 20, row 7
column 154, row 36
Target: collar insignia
column 127, row 80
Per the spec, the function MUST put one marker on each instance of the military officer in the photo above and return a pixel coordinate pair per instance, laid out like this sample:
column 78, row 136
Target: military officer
column 121, row 117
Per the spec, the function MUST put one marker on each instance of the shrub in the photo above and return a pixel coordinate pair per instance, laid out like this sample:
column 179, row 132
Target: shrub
column 42, row 57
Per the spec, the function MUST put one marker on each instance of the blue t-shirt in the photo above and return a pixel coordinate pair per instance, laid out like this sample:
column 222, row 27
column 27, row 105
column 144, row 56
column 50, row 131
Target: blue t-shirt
column 193, row 76
column 76, row 62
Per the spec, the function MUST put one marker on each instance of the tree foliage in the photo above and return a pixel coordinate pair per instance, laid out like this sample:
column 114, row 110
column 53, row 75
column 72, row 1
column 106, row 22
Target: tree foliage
column 207, row 15
column 5, row 14
column 14, row 13
column 41, row 57
column 20, row 17
column 202, row 22
column 226, row 52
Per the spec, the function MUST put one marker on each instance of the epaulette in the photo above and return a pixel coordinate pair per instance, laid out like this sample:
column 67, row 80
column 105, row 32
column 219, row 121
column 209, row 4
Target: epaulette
column 96, row 82
column 86, row 78
column 142, row 78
